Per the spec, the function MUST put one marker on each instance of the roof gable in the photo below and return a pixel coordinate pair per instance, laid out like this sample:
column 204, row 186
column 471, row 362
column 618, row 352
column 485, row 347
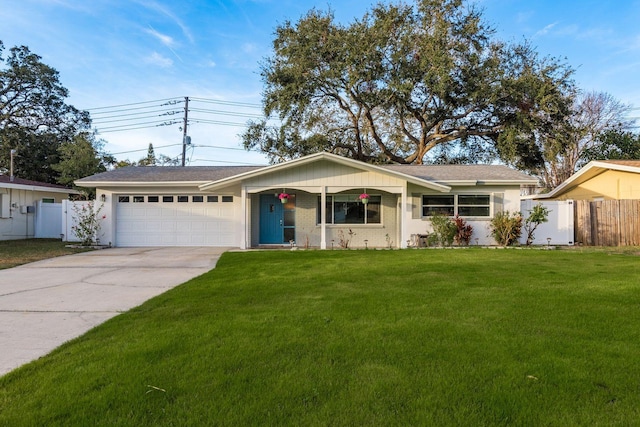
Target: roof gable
column 327, row 157
column 589, row 171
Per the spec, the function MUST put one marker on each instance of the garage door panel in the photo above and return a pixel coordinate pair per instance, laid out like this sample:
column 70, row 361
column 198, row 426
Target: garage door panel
column 176, row 224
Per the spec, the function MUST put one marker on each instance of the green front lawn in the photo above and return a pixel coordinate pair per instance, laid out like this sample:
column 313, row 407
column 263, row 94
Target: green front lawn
column 416, row 337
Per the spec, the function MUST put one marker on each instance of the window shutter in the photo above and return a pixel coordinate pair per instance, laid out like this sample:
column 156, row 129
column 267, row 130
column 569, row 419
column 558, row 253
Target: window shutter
column 498, row 202
column 416, row 206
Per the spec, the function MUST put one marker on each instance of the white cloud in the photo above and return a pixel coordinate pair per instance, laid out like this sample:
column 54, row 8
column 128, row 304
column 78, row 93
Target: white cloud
column 249, row 47
column 164, row 39
column 545, row 30
column 156, row 59
column 161, row 9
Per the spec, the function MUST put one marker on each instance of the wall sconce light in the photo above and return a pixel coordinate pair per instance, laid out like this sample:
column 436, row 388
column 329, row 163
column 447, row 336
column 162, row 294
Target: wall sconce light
column 103, row 198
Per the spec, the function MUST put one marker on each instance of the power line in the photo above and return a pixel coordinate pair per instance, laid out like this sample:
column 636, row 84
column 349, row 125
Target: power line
column 133, row 118
column 233, row 103
column 218, row 147
column 226, row 113
column 133, row 103
column 145, row 149
column 146, row 111
column 225, row 161
column 217, row 122
column 125, row 127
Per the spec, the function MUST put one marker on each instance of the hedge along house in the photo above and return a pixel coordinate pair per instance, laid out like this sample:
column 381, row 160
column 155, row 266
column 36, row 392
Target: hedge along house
column 242, row 206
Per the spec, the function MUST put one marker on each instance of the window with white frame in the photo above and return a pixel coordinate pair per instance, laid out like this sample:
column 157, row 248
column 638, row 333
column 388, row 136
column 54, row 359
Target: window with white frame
column 466, row 205
column 349, row 209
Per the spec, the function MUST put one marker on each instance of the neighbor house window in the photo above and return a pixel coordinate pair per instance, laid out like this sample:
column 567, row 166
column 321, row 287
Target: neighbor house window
column 348, row 209
column 456, row 204
column 48, row 200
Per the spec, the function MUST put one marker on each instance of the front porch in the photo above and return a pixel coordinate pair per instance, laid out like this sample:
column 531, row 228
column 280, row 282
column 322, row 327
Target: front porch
column 324, row 219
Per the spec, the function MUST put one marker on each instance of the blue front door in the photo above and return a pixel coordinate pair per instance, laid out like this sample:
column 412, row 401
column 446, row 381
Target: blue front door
column 277, row 220
column 271, row 220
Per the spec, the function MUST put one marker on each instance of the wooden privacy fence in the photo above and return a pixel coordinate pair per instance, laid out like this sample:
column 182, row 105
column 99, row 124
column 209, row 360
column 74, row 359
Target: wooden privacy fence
column 607, row 222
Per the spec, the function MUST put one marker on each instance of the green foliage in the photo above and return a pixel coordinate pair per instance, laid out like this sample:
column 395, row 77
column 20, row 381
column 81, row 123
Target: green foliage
column 444, row 229
column 79, row 158
column 537, row 216
column 403, row 79
column 357, row 338
column 34, row 118
column 506, row 228
column 615, row 145
column 89, row 222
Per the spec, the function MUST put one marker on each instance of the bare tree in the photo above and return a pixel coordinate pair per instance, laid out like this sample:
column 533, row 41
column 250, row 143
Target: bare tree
column 593, row 114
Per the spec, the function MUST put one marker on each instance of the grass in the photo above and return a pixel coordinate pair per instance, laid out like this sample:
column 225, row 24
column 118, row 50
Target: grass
column 431, row 337
column 18, row 252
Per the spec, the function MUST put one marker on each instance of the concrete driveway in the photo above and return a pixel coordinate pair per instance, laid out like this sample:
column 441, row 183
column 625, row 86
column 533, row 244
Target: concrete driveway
column 46, row 303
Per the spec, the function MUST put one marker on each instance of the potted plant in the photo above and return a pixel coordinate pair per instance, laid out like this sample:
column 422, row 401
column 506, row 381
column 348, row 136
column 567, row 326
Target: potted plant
column 364, row 198
column 284, row 197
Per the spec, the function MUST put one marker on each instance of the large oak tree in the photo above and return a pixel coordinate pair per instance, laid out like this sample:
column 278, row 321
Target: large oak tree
column 404, row 79
column 35, row 119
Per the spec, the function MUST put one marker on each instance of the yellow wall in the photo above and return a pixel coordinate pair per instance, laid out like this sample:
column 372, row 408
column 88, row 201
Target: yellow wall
column 609, row 185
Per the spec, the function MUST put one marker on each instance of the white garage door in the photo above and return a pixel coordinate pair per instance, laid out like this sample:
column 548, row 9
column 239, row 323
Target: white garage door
column 176, row 220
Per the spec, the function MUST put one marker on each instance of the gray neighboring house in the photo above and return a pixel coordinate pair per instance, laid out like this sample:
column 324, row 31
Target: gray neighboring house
column 18, row 201
column 242, row 206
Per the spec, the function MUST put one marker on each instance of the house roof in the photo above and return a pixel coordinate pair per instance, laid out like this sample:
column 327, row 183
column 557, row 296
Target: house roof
column 589, row 171
column 27, row 184
column 437, row 177
column 461, row 174
column 151, row 174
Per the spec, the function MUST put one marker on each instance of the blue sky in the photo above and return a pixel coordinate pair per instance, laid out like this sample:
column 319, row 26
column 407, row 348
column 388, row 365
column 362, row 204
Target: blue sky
column 140, row 54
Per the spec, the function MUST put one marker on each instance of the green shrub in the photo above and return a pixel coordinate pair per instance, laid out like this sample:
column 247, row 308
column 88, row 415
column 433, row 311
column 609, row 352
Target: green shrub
column 506, row 228
column 538, row 215
column 444, row 230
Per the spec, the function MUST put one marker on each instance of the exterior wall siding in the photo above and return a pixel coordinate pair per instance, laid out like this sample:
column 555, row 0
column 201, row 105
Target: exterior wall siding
column 323, row 173
column 481, row 226
column 14, row 223
column 609, row 185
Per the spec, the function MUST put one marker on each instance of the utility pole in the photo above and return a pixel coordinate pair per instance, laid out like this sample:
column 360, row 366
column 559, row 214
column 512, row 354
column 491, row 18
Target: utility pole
column 184, row 129
column 11, row 177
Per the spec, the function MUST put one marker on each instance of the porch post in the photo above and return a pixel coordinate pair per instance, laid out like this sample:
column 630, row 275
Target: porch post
column 323, row 217
column 244, row 222
column 403, row 218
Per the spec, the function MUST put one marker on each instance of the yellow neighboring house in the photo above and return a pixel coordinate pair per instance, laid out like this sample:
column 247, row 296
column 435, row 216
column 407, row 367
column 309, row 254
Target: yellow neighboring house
column 600, row 180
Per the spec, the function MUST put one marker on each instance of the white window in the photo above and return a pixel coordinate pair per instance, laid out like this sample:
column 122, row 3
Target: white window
column 466, row 205
column 349, row 209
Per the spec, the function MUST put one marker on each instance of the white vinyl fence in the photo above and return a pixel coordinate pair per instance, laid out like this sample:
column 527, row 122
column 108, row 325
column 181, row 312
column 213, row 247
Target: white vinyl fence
column 48, row 220
column 69, row 219
column 559, row 230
